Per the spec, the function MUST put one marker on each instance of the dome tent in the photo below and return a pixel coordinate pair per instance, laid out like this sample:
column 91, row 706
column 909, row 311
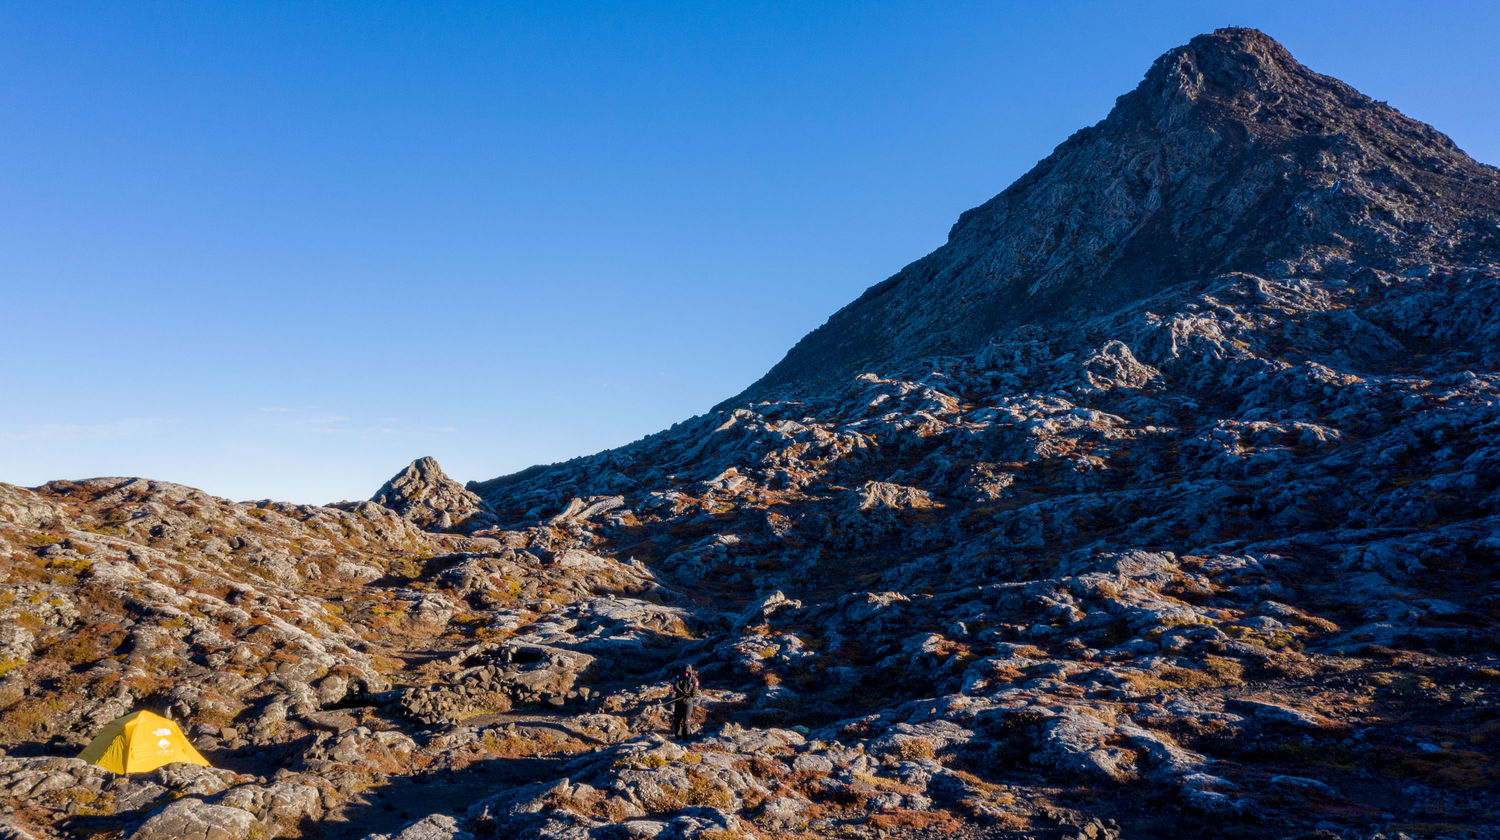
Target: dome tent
column 139, row 742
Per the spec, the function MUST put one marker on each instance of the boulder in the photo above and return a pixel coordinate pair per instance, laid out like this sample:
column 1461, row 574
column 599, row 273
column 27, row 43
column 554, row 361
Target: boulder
column 194, row 819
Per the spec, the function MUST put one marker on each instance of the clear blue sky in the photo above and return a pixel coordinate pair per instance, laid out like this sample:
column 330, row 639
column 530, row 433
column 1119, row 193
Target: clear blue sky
column 280, row 249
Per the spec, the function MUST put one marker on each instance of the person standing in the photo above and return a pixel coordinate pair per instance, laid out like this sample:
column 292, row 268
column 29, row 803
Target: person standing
column 684, row 700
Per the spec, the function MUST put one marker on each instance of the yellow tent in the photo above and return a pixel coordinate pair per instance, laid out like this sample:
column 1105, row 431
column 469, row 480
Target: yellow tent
column 139, row 742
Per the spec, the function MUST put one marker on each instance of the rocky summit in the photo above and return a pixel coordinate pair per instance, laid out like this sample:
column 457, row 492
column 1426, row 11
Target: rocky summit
column 1162, row 501
column 1228, row 157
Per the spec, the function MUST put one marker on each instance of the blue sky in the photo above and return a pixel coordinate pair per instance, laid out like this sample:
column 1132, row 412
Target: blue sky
column 279, row 250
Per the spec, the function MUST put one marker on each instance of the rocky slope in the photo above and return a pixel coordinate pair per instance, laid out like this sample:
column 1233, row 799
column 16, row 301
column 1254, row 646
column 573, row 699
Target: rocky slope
column 1210, row 539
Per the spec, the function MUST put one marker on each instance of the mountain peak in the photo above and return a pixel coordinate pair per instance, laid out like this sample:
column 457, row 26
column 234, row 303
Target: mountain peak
column 424, row 494
column 1229, row 156
column 1231, row 70
column 1231, row 59
column 1245, row 76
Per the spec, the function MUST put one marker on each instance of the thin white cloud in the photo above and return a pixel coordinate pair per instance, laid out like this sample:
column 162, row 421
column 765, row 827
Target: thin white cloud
column 86, row 431
column 311, row 420
column 302, row 416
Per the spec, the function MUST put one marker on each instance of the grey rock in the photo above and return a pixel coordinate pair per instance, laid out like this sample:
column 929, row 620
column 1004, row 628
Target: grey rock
column 434, row 827
column 424, row 494
column 1277, row 713
column 11, row 831
column 194, row 819
column 280, row 805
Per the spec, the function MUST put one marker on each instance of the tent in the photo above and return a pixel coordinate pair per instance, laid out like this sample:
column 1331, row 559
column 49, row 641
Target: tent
column 139, row 742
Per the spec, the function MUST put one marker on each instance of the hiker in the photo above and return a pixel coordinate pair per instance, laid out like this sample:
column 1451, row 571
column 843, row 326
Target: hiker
column 684, row 700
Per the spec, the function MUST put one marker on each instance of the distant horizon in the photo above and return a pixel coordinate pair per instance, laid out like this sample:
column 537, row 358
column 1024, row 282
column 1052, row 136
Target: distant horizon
column 280, row 253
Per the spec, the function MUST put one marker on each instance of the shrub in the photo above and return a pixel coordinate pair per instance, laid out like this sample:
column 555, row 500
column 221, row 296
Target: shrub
column 912, row 749
column 705, row 791
column 664, row 803
column 79, row 649
column 908, row 820
column 584, row 801
column 761, row 767
column 31, row 716
column 1225, row 669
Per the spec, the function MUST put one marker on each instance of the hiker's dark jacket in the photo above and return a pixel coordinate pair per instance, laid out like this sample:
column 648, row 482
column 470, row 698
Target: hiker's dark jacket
column 686, row 685
column 684, row 698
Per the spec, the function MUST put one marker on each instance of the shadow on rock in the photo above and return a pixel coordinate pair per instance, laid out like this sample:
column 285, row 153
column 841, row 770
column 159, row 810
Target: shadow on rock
column 406, row 799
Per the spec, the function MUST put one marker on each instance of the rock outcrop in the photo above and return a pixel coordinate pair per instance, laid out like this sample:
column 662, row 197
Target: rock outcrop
column 424, row 494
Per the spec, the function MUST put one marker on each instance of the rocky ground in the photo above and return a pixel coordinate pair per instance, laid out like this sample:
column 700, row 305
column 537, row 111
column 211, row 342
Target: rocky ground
column 1219, row 559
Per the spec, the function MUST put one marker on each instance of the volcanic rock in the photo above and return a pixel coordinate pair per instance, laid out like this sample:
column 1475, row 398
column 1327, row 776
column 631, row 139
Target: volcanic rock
column 424, row 494
column 1166, row 490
